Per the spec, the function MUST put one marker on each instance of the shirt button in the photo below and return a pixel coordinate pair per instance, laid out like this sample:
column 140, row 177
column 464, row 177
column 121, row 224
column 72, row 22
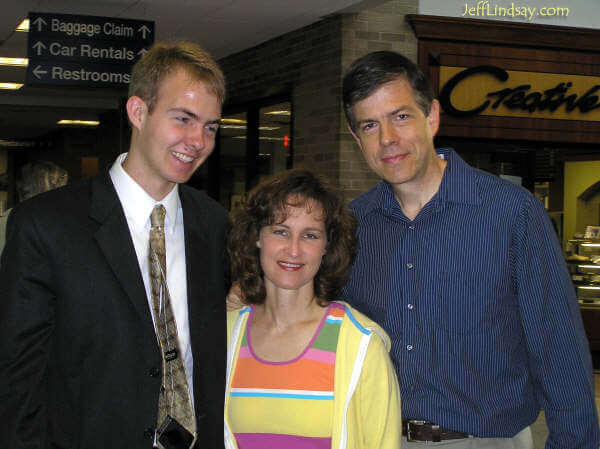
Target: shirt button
column 410, row 307
column 411, row 227
column 409, row 347
column 409, row 265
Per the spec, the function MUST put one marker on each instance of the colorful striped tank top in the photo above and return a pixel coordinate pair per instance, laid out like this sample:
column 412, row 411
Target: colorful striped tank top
column 289, row 405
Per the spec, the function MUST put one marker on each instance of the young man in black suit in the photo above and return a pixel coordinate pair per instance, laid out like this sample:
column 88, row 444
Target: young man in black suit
column 81, row 361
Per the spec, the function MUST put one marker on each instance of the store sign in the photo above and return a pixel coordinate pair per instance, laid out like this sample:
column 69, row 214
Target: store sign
column 493, row 91
column 87, row 51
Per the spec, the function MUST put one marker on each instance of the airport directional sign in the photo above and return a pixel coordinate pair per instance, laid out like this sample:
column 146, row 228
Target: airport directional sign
column 86, row 51
column 92, row 27
column 78, row 74
column 91, row 51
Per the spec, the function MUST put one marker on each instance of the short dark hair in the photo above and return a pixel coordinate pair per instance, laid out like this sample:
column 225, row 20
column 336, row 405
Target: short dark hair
column 165, row 58
column 370, row 72
column 267, row 204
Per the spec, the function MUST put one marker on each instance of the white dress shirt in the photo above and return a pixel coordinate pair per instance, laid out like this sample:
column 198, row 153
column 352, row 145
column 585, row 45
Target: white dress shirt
column 138, row 206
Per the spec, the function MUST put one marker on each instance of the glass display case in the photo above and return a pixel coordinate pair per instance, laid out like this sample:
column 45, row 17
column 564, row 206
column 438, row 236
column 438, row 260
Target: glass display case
column 583, row 258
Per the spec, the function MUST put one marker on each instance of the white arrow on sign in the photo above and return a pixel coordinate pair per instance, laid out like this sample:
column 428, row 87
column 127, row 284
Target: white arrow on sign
column 142, row 52
column 38, row 71
column 39, row 22
column 144, row 29
column 39, row 47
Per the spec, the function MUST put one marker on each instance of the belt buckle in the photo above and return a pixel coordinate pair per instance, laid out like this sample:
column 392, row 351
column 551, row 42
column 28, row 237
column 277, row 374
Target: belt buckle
column 409, row 424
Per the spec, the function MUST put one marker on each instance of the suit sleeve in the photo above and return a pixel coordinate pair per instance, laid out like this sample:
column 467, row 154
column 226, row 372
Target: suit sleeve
column 559, row 356
column 26, row 324
column 226, row 266
column 379, row 408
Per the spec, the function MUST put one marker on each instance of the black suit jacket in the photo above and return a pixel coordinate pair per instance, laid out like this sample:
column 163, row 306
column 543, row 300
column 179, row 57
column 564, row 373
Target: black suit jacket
column 79, row 360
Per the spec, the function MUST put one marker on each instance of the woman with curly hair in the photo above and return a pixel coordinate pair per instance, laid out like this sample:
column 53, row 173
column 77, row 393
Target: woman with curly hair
column 303, row 370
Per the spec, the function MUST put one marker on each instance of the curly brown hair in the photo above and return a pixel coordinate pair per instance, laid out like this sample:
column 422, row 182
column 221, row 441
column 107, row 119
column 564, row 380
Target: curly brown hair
column 268, row 204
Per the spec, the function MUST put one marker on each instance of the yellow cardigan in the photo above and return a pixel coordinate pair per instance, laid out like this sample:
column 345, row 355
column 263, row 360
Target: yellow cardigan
column 366, row 394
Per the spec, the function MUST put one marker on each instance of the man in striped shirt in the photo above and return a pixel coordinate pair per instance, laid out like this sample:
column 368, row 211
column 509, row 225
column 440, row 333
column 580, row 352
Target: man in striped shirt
column 465, row 273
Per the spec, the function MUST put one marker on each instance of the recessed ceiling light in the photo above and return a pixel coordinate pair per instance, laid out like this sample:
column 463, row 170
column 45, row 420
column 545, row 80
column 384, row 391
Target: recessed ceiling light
column 261, row 128
column 233, row 121
column 232, row 126
column 24, row 25
column 262, row 138
column 17, row 62
column 10, row 86
column 16, row 143
column 78, row 122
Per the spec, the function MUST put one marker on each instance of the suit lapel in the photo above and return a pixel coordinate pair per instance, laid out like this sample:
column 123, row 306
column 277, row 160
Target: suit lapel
column 196, row 254
column 206, row 312
column 114, row 240
column 196, row 258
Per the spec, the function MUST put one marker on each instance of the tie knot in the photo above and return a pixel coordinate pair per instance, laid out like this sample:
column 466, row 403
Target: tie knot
column 157, row 217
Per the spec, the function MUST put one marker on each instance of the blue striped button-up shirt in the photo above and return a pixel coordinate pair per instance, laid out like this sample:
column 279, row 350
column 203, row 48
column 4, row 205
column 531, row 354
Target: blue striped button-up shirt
column 477, row 299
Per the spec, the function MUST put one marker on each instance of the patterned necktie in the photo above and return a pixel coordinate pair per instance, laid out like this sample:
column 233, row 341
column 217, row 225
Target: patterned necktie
column 174, row 399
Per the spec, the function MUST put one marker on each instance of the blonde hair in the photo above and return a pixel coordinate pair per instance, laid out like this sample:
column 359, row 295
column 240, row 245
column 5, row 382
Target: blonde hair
column 163, row 59
column 40, row 176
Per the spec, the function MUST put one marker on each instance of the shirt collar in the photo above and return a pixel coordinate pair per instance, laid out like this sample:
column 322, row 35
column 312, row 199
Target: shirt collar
column 137, row 203
column 458, row 184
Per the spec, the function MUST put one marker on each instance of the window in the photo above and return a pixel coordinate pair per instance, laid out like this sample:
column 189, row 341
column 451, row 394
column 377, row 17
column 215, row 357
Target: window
column 254, row 143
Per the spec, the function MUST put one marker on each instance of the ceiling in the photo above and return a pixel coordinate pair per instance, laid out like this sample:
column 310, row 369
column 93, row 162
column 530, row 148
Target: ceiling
column 223, row 27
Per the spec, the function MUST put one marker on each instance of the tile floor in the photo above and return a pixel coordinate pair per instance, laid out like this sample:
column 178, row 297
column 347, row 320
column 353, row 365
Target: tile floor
column 539, row 429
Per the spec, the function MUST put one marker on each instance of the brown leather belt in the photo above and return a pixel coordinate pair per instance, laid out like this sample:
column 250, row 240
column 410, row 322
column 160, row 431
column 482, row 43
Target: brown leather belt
column 418, row 430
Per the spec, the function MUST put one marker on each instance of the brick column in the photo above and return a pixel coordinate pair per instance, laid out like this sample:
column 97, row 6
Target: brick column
column 309, row 64
column 380, row 28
